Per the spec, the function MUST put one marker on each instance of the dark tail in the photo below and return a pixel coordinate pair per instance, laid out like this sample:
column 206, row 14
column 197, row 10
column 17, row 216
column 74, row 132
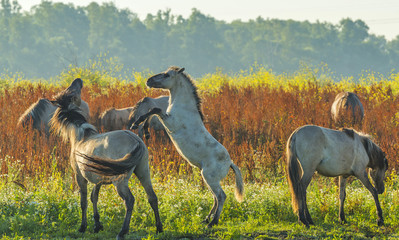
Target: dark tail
column 239, row 192
column 113, row 167
column 293, row 172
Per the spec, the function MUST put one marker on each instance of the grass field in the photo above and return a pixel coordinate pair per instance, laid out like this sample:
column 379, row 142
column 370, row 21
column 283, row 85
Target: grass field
column 251, row 113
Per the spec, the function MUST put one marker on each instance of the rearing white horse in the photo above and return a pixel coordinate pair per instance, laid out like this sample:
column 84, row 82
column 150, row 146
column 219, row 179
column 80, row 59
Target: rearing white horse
column 183, row 121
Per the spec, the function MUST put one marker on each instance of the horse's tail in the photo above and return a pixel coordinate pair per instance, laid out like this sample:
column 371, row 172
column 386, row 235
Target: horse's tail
column 293, row 172
column 113, row 167
column 239, row 192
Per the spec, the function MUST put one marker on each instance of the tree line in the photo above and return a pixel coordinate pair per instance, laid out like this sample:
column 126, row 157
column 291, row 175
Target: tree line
column 51, row 37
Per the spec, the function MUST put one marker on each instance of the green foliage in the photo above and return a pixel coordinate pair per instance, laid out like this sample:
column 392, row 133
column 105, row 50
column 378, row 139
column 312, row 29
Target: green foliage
column 52, row 36
column 49, row 208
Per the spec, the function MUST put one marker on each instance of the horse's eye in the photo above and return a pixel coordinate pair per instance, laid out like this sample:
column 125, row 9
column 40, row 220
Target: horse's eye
column 167, row 75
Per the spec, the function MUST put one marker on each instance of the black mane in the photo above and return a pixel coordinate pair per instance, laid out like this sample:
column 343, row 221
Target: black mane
column 195, row 90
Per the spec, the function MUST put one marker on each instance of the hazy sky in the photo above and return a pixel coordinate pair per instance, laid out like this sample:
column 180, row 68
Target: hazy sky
column 382, row 16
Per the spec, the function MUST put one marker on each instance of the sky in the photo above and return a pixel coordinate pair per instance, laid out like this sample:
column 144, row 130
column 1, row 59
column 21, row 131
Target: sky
column 382, row 16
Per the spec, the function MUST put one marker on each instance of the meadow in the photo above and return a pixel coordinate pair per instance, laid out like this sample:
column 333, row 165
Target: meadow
column 252, row 113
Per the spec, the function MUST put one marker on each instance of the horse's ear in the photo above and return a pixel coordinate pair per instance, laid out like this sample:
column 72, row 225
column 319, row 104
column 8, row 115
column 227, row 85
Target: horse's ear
column 55, row 103
column 180, row 70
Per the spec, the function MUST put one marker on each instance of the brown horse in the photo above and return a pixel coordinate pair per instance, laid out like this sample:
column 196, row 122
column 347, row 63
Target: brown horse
column 115, row 119
column 347, row 109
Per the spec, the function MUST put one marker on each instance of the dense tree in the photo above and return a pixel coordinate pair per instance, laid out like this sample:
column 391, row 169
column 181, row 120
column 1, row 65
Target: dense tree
column 52, row 36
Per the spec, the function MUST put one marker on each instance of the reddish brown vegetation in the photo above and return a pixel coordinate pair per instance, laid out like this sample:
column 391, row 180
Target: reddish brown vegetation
column 253, row 124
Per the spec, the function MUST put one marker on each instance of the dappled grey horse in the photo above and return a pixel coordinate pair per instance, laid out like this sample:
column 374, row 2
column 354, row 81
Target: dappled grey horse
column 347, row 109
column 333, row 153
column 183, row 121
column 142, row 107
column 105, row 158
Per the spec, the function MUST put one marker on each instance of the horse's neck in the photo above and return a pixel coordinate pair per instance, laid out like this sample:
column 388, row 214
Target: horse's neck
column 182, row 98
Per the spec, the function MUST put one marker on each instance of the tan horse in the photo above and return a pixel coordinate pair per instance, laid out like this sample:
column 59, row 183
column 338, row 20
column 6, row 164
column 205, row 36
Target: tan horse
column 38, row 115
column 115, row 119
column 105, row 158
column 333, row 153
column 347, row 109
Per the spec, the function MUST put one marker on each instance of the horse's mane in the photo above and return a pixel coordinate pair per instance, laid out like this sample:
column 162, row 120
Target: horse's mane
column 374, row 152
column 67, row 118
column 349, row 132
column 34, row 112
column 194, row 88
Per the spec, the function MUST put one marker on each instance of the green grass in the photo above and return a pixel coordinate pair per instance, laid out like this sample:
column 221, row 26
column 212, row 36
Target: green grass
column 49, row 209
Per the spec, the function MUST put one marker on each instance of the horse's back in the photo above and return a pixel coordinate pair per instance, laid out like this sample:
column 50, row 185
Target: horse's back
column 347, row 107
column 330, row 152
column 114, row 144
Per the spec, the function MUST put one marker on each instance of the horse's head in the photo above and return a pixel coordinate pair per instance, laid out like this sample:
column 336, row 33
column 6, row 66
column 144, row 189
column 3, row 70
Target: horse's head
column 70, row 97
column 377, row 172
column 166, row 79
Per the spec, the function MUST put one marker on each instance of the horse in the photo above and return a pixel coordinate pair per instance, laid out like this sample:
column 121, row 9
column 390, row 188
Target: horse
column 105, row 158
column 347, row 108
column 38, row 115
column 115, row 119
column 142, row 107
column 333, row 153
column 183, row 122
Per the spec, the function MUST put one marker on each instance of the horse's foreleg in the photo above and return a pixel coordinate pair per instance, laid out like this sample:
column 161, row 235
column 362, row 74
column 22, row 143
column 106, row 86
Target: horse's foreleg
column 127, row 196
column 82, row 183
column 94, row 199
column 366, row 182
column 143, row 117
column 146, row 125
column 212, row 211
column 342, row 195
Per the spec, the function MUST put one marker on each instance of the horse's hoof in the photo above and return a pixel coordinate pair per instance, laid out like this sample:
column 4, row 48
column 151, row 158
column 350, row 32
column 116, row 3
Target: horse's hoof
column 98, row 228
column 82, row 228
column 380, row 222
column 134, row 126
column 120, row 236
column 147, row 136
column 159, row 230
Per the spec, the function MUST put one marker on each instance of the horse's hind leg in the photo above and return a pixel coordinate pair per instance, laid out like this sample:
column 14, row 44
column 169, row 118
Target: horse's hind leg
column 303, row 210
column 94, row 199
column 127, row 196
column 82, row 183
column 219, row 196
column 142, row 172
column 342, row 195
